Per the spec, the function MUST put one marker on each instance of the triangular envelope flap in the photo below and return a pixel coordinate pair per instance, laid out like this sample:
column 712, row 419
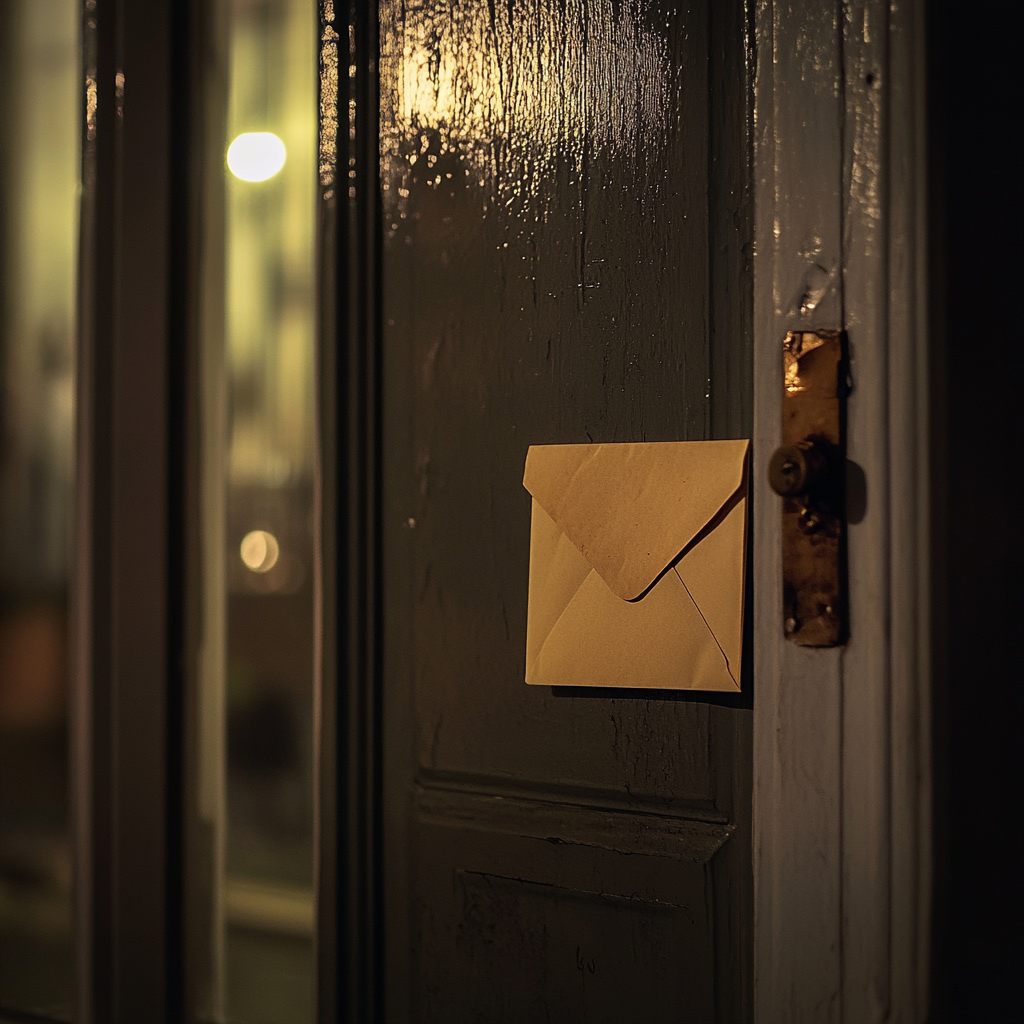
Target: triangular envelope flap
column 630, row 509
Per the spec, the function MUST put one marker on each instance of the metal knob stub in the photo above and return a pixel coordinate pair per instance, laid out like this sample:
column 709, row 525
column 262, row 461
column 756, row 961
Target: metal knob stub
column 797, row 469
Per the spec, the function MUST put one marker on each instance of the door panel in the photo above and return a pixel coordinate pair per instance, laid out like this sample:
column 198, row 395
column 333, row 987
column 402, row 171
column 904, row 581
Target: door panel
column 561, row 240
column 593, row 933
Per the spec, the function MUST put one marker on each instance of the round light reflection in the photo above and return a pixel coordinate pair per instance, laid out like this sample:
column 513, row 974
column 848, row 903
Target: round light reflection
column 256, row 156
column 260, row 550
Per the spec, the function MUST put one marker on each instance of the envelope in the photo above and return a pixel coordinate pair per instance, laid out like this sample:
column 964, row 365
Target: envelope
column 637, row 564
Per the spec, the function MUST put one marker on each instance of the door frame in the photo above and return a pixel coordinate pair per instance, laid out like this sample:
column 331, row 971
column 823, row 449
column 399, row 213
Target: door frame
column 127, row 593
column 842, row 737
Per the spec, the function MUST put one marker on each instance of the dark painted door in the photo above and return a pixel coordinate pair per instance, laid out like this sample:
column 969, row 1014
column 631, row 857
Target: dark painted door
column 565, row 260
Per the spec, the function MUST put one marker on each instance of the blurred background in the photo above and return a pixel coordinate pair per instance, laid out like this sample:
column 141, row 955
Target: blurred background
column 256, row 704
column 40, row 99
column 254, row 708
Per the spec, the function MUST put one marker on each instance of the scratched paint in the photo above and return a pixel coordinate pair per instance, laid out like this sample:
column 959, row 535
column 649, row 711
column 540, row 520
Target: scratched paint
column 546, row 279
column 553, row 196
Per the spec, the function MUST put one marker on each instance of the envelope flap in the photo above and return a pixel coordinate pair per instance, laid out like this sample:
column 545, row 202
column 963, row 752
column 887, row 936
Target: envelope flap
column 630, row 509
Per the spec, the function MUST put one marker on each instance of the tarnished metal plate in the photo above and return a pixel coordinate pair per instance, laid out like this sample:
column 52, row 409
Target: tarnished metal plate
column 812, row 463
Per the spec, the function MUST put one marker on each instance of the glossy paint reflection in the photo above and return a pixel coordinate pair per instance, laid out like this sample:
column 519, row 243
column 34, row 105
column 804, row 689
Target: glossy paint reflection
column 563, row 232
column 547, row 276
column 514, row 88
column 542, row 156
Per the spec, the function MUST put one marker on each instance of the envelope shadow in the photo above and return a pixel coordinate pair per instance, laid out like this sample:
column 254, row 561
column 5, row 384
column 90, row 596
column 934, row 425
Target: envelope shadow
column 743, row 699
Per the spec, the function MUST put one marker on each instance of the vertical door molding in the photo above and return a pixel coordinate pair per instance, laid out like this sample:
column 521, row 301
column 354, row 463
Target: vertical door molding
column 841, row 753
column 349, row 656
column 123, row 764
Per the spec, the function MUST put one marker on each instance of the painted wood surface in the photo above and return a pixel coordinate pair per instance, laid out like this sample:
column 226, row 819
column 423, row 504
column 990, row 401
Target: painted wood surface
column 565, row 260
column 841, row 859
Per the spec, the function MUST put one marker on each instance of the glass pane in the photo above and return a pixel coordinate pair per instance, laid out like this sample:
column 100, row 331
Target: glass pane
column 39, row 159
column 255, row 731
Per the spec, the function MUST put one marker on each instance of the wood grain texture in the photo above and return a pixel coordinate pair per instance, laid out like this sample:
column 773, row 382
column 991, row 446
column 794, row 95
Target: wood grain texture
column 839, row 802
column 867, row 690
column 524, row 929
column 798, row 711
column 570, row 821
column 582, row 316
column 564, row 237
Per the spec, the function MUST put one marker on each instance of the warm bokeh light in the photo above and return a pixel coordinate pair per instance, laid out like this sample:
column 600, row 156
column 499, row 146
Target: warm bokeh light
column 260, row 550
column 256, row 156
column 253, row 914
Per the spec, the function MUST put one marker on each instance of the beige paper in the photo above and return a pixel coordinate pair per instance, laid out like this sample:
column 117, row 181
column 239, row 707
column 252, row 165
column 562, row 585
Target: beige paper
column 637, row 556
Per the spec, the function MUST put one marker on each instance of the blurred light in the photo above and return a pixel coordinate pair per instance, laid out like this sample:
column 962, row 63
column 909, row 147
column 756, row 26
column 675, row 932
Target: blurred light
column 260, row 550
column 256, row 156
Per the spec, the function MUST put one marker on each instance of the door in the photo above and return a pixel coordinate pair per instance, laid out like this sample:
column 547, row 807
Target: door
column 565, row 258
column 551, row 210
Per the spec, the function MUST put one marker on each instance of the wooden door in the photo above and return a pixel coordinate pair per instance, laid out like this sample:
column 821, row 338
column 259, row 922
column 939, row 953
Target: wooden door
column 565, row 259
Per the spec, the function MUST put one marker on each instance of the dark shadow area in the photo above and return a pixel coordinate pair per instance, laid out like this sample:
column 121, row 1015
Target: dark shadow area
column 722, row 700
column 856, row 492
column 975, row 223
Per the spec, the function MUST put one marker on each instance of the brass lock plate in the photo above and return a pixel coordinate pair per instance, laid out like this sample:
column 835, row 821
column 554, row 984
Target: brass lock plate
column 808, row 471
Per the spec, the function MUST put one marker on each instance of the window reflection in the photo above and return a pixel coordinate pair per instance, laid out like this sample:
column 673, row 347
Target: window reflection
column 39, row 100
column 255, row 706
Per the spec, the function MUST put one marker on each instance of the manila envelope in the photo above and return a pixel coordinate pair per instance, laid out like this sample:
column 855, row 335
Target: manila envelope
column 637, row 559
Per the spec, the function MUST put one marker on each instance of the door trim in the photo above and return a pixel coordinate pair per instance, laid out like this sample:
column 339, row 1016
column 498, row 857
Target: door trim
column 125, row 683
column 842, row 758
column 349, row 642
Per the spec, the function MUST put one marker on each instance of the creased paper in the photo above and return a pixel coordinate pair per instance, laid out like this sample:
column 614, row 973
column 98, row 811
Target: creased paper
column 637, row 564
